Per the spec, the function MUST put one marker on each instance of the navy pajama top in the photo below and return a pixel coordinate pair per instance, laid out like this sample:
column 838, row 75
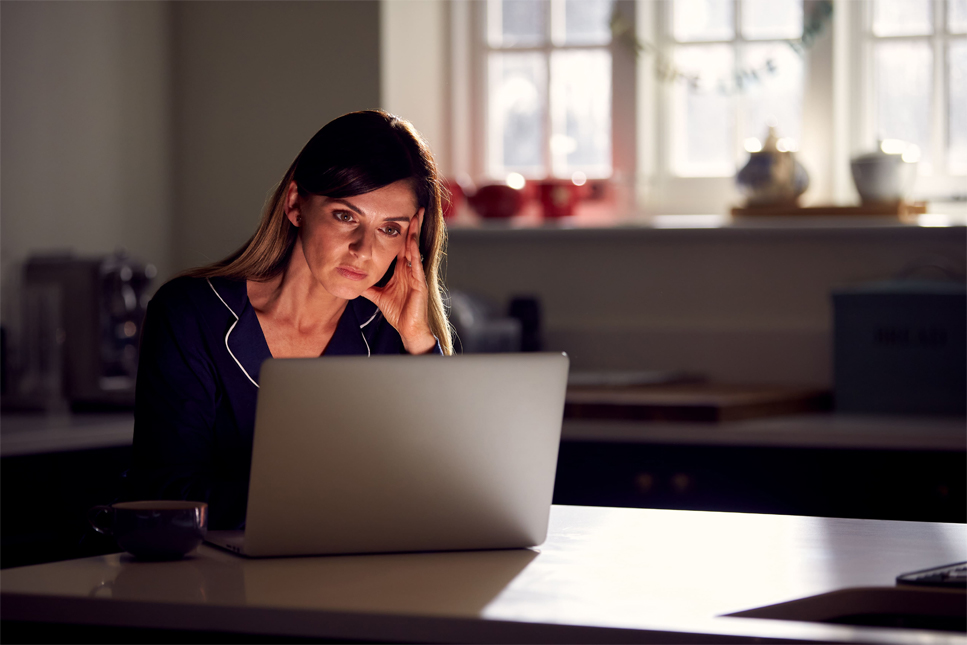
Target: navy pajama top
column 198, row 373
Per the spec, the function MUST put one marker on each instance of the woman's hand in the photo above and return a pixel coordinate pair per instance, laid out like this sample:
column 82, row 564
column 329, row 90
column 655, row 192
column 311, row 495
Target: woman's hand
column 403, row 301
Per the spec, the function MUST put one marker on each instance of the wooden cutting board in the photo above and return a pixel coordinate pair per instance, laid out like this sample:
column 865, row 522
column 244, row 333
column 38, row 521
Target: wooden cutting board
column 692, row 402
column 903, row 210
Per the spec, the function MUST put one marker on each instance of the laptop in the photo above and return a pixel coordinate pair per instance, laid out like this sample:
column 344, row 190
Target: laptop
column 402, row 453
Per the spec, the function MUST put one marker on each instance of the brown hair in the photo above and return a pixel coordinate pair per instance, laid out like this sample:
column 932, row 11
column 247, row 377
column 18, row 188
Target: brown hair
column 354, row 154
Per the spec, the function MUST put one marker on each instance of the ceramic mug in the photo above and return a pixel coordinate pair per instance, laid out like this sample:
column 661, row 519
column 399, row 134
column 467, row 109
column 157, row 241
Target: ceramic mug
column 153, row 530
column 881, row 177
column 559, row 197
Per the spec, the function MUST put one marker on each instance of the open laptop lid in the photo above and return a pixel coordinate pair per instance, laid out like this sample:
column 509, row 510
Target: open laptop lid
column 404, row 453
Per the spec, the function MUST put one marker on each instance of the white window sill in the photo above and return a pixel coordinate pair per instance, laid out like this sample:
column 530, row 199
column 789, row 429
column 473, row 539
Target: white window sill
column 603, row 219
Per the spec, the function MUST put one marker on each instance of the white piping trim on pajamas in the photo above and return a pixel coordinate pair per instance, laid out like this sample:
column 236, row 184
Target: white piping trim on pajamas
column 230, row 333
column 375, row 313
column 368, row 353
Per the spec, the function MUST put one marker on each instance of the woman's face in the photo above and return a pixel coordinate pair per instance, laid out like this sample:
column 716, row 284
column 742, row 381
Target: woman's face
column 350, row 242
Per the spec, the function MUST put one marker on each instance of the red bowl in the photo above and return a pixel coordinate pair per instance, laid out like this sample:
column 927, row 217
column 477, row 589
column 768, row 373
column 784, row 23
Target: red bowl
column 496, row 201
column 452, row 198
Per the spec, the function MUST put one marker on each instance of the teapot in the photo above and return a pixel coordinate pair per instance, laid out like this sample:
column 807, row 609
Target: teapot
column 772, row 175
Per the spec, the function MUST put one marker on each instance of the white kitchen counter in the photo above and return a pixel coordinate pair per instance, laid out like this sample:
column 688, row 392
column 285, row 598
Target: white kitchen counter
column 603, row 575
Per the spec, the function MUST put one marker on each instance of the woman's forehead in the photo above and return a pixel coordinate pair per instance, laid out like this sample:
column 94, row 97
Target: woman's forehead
column 394, row 200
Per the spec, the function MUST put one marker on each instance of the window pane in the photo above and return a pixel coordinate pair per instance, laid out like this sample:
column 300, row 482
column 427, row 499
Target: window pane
column 516, row 113
column 703, row 20
column 957, row 70
column 587, row 22
column 581, row 112
column 517, row 23
column 902, row 78
column 957, row 16
column 774, row 97
column 902, row 17
column 772, row 19
column 703, row 117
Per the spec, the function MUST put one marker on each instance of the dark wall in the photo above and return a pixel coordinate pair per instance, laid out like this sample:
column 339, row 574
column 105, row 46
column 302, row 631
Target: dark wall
column 253, row 81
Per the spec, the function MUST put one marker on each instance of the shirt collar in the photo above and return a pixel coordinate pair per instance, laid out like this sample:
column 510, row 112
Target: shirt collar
column 246, row 341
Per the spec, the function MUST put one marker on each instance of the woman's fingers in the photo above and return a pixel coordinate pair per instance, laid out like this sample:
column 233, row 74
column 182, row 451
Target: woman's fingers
column 403, row 300
column 407, row 252
column 413, row 250
column 413, row 244
column 409, row 272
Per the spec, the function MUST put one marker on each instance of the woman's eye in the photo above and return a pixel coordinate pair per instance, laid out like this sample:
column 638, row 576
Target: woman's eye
column 343, row 216
column 392, row 231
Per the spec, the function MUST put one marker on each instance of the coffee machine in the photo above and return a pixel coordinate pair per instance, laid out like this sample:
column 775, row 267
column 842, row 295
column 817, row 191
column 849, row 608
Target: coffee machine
column 88, row 311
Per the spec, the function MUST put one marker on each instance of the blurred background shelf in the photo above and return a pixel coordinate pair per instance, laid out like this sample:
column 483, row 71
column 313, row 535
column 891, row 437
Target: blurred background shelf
column 692, row 401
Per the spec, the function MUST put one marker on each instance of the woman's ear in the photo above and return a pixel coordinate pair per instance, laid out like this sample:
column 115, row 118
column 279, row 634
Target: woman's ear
column 292, row 204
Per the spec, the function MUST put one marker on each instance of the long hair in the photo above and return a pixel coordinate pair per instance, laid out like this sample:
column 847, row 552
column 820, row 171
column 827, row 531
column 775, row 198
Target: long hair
column 354, row 154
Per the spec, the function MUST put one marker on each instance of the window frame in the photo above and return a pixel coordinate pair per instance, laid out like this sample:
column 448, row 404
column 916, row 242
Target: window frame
column 837, row 115
column 663, row 191
column 739, row 100
column 940, row 184
column 470, row 50
column 550, row 159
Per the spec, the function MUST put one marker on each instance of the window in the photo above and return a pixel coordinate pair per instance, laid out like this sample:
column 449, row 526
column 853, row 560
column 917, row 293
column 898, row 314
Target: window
column 914, row 60
column 733, row 73
column 671, row 125
column 548, row 88
column 714, row 76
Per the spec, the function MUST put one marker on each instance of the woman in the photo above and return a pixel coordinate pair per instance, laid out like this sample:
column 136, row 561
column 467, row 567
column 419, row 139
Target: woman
column 345, row 261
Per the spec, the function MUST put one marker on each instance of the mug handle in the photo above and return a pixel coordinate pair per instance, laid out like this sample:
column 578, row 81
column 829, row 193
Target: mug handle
column 103, row 584
column 95, row 513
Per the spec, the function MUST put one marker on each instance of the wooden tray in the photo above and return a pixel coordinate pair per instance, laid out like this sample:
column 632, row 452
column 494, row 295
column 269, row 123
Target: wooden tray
column 691, row 402
column 902, row 210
